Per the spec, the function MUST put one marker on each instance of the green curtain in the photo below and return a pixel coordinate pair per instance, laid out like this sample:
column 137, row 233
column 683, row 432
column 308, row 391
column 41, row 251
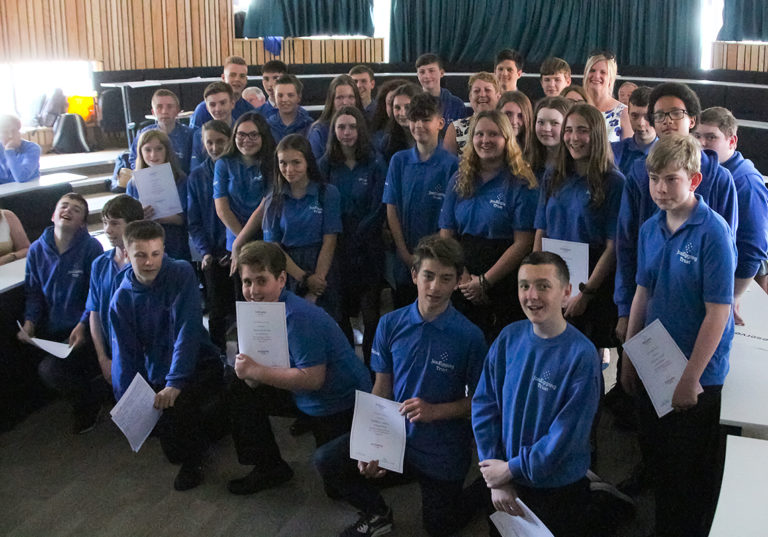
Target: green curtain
column 744, row 20
column 301, row 18
column 662, row 33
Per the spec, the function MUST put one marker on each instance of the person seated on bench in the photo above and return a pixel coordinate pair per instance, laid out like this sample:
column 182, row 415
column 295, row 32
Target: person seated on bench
column 13, row 239
column 19, row 159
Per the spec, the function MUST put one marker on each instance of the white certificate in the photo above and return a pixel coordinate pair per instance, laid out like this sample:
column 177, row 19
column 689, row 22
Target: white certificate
column 135, row 414
column 659, row 363
column 575, row 255
column 262, row 333
column 157, row 188
column 378, row 432
column 527, row 525
column 54, row 348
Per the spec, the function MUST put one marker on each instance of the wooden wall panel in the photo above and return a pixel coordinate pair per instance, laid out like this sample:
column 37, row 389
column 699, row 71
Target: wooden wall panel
column 739, row 56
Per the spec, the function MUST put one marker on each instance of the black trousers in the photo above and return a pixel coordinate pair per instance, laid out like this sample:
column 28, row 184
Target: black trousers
column 77, row 377
column 220, row 294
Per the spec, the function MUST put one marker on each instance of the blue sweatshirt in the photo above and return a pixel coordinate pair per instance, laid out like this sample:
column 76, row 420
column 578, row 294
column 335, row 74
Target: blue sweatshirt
column 202, row 116
column 752, row 233
column 157, row 330
column 318, row 138
column 106, row 277
column 208, row 233
column 20, row 165
column 56, row 284
column 535, row 404
column 626, row 152
column 453, row 107
column 299, row 126
column 181, row 142
column 717, row 189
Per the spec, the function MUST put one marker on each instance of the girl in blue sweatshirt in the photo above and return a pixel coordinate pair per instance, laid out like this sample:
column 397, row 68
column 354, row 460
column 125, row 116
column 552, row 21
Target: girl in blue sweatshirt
column 342, row 92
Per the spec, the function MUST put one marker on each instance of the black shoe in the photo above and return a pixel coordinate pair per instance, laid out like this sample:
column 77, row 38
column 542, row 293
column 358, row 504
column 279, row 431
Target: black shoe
column 85, row 419
column 300, row 426
column 189, row 476
column 370, row 526
column 258, row 480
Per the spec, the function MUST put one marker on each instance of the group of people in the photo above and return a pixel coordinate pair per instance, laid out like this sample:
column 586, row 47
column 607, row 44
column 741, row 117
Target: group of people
column 451, row 209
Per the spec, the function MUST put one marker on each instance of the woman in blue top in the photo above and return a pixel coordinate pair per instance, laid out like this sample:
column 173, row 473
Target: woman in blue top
column 303, row 215
column 242, row 176
column 579, row 202
column 353, row 166
column 342, row 92
column 154, row 148
column 490, row 205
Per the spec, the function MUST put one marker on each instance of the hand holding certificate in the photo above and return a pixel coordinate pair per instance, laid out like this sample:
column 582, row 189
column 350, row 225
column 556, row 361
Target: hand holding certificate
column 659, row 363
column 135, row 413
column 54, row 348
column 378, row 432
column 527, row 525
column 575, row 255
column 262, row 333
column 157, row 188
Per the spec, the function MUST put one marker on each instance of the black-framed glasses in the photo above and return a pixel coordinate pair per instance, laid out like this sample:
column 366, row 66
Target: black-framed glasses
column 675, row 115
column 252, row 136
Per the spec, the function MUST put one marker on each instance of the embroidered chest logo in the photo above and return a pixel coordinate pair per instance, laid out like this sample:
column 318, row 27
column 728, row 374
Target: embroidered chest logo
column 498, row 202
column 442, row 364
column 316, row 208
column 363, row 180
column 437, row 192
column 543, row 382
column 75, row 272
column 686, row 255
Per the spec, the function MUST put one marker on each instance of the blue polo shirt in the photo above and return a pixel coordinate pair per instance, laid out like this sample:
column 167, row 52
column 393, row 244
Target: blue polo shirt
column 439, row 361
column 417, row 190
column 318, row 138
column 717, row 189
column 304, row 221
column 202, row 116
column 243, row 186
column 535, row 404
column 181, row 142
column 106, row 277
column 682, row 271
column 496, row 210
column 567, row 214
column 344, row 371
column 299, row 126
column 453, row 107
column 752, row 233
column 626, row 152
column 207, row 231
column 267, row 109
column 20, row 165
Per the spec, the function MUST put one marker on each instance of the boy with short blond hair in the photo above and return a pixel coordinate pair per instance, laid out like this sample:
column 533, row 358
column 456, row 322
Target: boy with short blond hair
column 166, row 108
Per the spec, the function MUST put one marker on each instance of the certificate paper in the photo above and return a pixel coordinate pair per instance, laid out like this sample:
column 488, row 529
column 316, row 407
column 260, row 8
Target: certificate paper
column 262, row 333
column 378, row 432
column 659, row 363
column 54, row 348
column 527, row 525
column 135, row 413
column 575, row 255
column 157, row 188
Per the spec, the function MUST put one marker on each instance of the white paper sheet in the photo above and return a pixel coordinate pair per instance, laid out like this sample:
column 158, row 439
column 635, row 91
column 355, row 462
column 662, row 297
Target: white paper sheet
column 54, row 348
column 575, row 255
column 262, row 333
column 134, row 413
column 659, row 363
column 378, row 432
column 157, row 188
column 527, row 525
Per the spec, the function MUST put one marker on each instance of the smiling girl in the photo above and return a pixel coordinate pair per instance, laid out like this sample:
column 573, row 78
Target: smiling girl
column 542, row 152
column 517, row 107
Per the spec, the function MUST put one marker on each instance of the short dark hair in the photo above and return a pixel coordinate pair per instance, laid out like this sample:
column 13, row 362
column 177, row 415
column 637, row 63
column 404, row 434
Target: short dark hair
column 262, row 255
column 81, row 200
column 291, row 79
column 445, row 250
column 679, row 90
column 639, row 97
column 360, row 69
column 510, row 54
column 549, row 258
column 218, row 87
column 552, row 66
column 125, row 207
column 424, row 106
column 142, row 230
column 274, row 66
column 426, row 59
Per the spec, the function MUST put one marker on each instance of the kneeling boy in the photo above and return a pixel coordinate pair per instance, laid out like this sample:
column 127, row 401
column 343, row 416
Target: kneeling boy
column 535, row 403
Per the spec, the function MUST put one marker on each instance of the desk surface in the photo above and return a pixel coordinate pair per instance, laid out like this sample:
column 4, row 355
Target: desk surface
column 741, row 508
column 42, row 182
column 12, row 274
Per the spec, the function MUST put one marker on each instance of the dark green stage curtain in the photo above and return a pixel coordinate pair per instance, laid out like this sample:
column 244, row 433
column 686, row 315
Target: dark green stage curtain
column 663, row 33
column 744, row 20
column 298, row 18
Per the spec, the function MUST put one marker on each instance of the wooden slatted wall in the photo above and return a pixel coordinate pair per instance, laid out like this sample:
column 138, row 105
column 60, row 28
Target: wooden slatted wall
column 301, row 50
column 740, row 56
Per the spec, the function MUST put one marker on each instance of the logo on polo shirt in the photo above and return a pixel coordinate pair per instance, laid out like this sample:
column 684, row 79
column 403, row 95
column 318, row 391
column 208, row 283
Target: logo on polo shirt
column 316, row 208
column 437, row 193
column 75, row 272
column 442, row 365
column 498, row 202
column 363, row 180
column 686, row 255
column 543, row 381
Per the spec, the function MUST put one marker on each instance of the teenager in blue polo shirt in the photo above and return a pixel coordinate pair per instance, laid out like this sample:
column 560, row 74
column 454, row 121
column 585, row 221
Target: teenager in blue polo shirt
column 428, row 357
column 19, row 158
column 218, row 99
column 341, row 92
column 56, row 287
column 490, row 205
column 242, row 176
column 320, row 382
column 290, row 117
column 353, row 166
column 686, row 258
column 579, row 202
column 429, row 71
column 364, row 79
column 270, row 74
column 157, row 332
column 415, row 189
column 165, row 107
column 208, row 233
column 303, row 215
column 636, row 147
column 107, row 273
column 236, row 75
column 533, row 409
column 717, row 131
